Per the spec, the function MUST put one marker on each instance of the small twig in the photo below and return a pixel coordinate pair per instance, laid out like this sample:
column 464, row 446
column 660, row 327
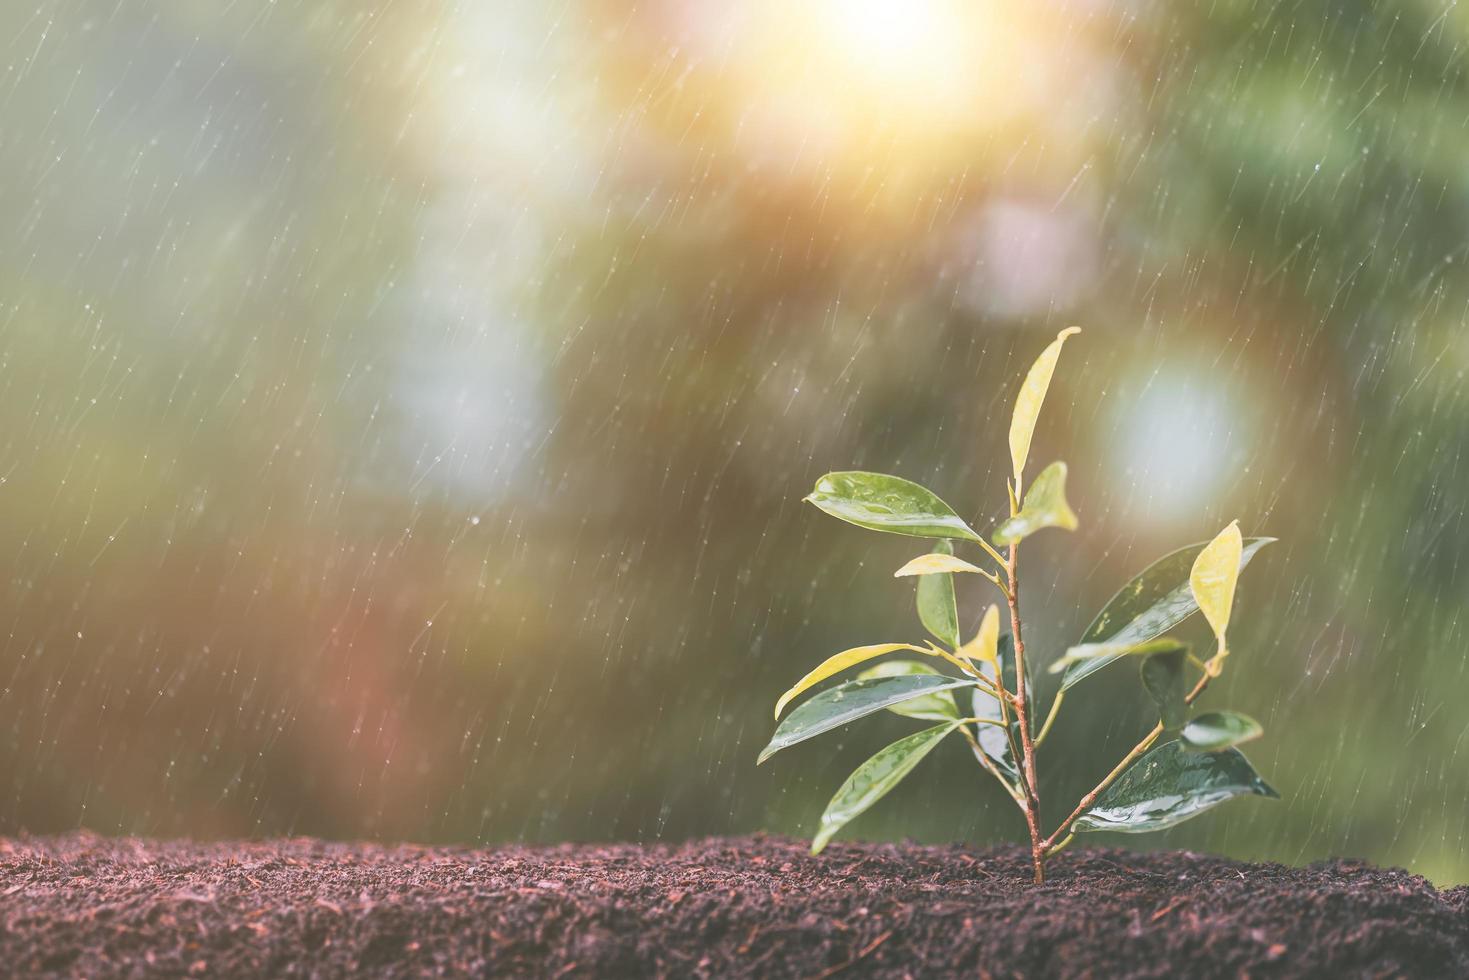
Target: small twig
column 1168, row 908
column 833, row 971
column 1050, row 717
column 1131, row 757
column 993, row 554
column 966, row 667
column 1053, row 849
column 982, row 721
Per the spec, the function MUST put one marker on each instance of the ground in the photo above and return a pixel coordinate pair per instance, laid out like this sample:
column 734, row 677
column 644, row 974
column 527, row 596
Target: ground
column 756, row 907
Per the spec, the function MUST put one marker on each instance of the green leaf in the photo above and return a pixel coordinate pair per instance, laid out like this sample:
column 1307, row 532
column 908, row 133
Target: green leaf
column 873, row 779
column 992, row 738
column 1045, row 506
column 927, row 707
column 837, row 663
column 1218, row 730
column 1155, row 601
column 888, row 503
column 847, row 702
column 1028, row 402
column 1170, row 785
column 937, row 608
column 1163, row 679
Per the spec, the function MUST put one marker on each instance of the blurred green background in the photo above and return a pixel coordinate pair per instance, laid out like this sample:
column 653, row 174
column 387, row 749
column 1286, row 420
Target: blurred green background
column 406, row 407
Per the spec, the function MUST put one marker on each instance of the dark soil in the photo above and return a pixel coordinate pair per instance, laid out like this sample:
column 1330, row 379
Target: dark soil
column 761, row 907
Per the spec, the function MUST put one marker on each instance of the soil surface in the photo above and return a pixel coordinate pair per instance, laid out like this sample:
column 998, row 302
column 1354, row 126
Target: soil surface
column 748, row 907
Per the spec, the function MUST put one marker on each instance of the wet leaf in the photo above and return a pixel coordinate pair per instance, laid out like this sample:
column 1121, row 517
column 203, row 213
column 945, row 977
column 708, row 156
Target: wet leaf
column 1155, row 601
column 937, row 609
column 937, row 563
column 1170, row 785
column 1111, row 651
column 847, row 702
column 1028, row 402
column 873, row 779
column 888, row 503
column 992, row 739
column 837, row 663
column 1045, row 506
column 1217, row 730
column 985, row 645
column 927, row 707
column 1213, row 577
column 1163, row 678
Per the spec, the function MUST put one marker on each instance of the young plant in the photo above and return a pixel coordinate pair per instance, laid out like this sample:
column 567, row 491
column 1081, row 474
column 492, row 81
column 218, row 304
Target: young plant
column 1185, row 765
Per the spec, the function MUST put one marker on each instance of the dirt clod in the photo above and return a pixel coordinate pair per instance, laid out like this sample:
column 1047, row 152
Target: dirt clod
column 747, row 907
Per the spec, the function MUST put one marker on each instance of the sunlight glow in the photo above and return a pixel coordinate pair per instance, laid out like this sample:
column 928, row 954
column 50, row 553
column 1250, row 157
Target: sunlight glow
column 907, row 43
column 921, row 56
column 886, row 94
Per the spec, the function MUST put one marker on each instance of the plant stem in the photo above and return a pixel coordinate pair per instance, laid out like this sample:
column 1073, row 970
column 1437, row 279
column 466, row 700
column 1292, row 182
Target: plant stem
column 1058, row 848
column 968, row 669
column 981, row 721
column 1050, row 718
column 1109, row 779
column 1129, row 759
column 993, row 553
column 1027, row 744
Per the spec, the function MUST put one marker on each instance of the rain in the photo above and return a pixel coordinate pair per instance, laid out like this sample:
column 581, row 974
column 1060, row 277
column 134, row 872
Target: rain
column 407, row 408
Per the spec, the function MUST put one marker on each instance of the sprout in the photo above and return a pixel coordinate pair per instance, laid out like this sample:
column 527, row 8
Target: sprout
column 1184, row 766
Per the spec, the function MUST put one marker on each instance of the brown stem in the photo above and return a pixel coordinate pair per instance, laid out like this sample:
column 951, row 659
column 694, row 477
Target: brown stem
column 1127, row 760
column 1027, row 743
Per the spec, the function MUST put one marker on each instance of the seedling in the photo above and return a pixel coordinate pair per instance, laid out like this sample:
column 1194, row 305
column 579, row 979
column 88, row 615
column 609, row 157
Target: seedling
column 1185, row 765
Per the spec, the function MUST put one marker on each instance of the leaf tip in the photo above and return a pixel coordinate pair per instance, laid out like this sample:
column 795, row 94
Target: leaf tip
column 785, row 699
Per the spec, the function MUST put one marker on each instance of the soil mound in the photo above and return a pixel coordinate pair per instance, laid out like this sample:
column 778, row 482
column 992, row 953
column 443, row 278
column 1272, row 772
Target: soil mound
column 739, row 907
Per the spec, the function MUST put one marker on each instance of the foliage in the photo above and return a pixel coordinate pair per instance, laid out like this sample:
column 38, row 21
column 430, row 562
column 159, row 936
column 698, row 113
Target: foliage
column 1194, row 767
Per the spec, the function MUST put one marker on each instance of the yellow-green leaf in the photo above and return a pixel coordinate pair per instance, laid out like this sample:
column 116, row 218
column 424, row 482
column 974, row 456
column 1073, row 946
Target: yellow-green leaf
column 1107, row 652
column 938, row 610
column 936, row 564
column 1028, row 403
column 1219, row 730
column 928, row 707
column 872, row 780
column 1213, row 578
column 986, row 642
column 836, row 664
column 848, row 702
column 1045, row 506
column 888, row 503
